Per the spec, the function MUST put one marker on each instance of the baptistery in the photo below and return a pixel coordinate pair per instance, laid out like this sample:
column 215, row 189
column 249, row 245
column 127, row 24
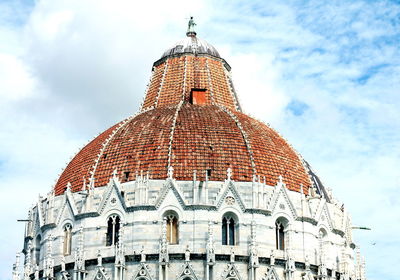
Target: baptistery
column 189, row 188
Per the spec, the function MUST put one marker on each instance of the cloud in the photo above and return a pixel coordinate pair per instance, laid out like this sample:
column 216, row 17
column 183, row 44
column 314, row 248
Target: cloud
column 323, row 74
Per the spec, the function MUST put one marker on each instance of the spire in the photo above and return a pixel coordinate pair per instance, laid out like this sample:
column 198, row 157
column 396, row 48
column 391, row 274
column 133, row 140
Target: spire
column 190, row 31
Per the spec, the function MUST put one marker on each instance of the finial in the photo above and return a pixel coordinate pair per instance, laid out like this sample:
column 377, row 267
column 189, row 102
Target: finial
column 229, row 173
column 170, row 172
column 99, row 258
column 115, row 173
column 187, row 254
column 190, row 31
column 142, row 255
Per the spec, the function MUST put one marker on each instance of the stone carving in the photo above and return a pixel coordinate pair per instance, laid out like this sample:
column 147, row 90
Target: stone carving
column 28, row 261
column 142, row 255
column 16, row 268
column 187, row 254
column 290, row 266
column 99, row 259
column 230, row 200
column 229, row 173
column 164, row 256
column 272, row 258
column 170, row 172
column 210, row 245
column 253, row 253
column 232, row 257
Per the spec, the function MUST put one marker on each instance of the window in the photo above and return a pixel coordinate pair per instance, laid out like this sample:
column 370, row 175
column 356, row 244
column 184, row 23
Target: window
column 113, row 225
column 198, row 96
column 229, row 230
column 280, row 235
column 322, row 234
column 67, row 240
column 126, row 176
column 172, row 228
column 37, row 249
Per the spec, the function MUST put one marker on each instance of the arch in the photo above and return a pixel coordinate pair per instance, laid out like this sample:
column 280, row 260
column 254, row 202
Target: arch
column 281, row 225
column 172, row 227
column 38, row 240
column 230, row 229
column 67, row 241
column 113, row 227
column 322, row 233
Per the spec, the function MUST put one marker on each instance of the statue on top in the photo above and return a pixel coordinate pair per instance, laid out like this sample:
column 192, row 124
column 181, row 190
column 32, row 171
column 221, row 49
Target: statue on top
column 191, row 25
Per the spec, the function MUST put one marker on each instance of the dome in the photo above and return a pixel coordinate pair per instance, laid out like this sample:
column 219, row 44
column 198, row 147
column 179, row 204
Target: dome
column 201, row 139
column 190, row 187
column 190, row 120
column 191, row 44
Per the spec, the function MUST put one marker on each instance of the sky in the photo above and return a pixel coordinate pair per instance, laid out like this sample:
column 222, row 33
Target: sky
column 325, row 74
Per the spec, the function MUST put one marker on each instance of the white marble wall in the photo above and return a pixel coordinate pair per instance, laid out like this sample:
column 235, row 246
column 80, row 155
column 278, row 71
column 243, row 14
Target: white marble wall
column 141, row 205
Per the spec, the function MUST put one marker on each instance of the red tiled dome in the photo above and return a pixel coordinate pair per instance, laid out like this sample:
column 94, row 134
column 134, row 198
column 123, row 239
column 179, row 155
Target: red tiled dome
column 191, row 120
column 204, row 138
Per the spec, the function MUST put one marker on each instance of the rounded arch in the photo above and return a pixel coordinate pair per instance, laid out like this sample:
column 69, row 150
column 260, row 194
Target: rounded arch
column 114, row 212
column 281, row 227
column 283, row 220
column 172, row 220
column 284, row 217
column 65, row 222
column 67, row 239
column 232, row 210
column 171, row 208
column 113, row 228
column 230, row 228
column 322, row 232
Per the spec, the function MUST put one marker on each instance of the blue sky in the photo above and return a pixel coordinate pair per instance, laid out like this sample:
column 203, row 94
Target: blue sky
column 325, row 74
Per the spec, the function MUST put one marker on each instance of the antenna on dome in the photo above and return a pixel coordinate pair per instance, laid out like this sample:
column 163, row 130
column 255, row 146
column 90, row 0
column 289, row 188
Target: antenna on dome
column 190, row 31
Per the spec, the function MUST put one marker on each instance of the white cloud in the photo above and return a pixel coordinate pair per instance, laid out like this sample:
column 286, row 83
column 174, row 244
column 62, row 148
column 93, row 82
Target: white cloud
column 327, row 76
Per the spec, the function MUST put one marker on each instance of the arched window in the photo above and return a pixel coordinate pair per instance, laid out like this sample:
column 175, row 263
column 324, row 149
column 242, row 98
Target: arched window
column 229, row 230
column 280, row 226
column 37, row 249
column 322, row 234
column 113, row 225
column 172, row 228
column 67, row 240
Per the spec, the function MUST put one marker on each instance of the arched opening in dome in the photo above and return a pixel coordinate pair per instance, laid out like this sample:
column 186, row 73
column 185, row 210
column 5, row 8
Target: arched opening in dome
column 113, row 226
column 172, row 227
column 281, row 225
column 37, row 248
column 67, row 242
column 230, row 229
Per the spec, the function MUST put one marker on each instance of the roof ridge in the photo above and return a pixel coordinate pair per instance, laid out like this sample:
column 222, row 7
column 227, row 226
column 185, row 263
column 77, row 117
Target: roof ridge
column 244, row 134
column 171, row 137
column 108, row 140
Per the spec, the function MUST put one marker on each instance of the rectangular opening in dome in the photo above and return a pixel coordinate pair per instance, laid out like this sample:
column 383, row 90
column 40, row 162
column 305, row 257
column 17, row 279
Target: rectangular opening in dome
column 198, row 96
column 126, row 176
